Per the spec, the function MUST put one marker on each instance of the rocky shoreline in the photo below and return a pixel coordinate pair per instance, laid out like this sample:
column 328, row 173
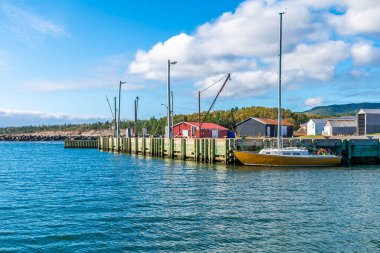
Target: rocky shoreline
column 45, row 137
column 56, row 135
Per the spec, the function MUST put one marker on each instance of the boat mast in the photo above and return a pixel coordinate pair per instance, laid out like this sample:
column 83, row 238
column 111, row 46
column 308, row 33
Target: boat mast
column 279, row 125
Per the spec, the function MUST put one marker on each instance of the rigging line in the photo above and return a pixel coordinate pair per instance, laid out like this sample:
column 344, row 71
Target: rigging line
column 214, row 83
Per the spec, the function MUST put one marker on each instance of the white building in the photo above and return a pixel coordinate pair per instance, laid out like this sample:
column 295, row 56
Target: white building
column 316, row 126
column 340, row 126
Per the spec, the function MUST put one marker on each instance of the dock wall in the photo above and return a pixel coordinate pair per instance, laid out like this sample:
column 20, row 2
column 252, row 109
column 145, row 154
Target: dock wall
column 81, row 144
column 201, row 150
column 353, row 151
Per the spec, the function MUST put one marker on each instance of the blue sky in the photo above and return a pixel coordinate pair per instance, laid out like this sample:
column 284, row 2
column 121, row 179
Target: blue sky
column 58, row 60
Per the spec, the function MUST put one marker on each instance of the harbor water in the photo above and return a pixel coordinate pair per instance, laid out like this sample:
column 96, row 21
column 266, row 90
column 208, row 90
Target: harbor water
column 81, row 200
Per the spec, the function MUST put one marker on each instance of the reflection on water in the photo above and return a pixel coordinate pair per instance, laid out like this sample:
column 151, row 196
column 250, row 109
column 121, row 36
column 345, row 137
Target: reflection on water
column 55, row 199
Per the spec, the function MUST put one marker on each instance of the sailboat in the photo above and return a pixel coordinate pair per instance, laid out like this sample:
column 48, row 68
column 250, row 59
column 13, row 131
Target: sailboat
column 291, row 156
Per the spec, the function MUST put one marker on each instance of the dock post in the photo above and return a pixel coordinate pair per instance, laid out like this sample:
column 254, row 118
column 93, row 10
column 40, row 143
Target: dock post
column 136, row 145
column 125, row 141
column 212, row 150
column 171, row 148
column 154, row 151
column 143, row 144
column 162, row 144
column 196, row 149
column 183, row 149
column 110, row 146
column 227, row 150
column 201, row 150
column 206, row 157
column 151, row 146
column 155, row 147
column 349, row 152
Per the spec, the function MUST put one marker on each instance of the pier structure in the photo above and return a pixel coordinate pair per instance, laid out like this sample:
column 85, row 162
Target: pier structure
column 208, row 150
column 204, row 150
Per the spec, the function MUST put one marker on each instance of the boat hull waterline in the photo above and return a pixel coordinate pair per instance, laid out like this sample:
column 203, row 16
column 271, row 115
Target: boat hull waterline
column 249, row 158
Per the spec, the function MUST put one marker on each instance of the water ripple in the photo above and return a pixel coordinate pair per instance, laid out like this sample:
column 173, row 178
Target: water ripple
column 72, row 200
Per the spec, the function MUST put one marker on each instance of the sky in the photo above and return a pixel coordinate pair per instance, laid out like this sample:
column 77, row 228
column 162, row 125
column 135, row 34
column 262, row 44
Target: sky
column 60, row 59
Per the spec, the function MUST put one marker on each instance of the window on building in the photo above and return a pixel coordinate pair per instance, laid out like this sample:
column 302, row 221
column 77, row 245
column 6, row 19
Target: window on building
column 192, row 130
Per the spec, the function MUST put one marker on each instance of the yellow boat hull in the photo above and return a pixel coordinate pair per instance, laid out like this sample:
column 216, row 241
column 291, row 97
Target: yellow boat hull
column 249, row 158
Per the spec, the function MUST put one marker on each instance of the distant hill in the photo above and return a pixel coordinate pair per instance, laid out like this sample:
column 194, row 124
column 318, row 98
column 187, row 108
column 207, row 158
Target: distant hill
column 347, row 109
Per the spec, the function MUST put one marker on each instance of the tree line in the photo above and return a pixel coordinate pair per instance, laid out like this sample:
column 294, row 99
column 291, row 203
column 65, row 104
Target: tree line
column 226, row 118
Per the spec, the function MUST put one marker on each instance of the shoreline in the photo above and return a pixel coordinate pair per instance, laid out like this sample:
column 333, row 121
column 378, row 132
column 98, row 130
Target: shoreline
column 56, row 135
column 29, row 137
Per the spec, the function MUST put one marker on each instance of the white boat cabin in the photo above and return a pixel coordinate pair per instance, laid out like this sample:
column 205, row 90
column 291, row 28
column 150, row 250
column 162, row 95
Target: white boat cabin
column 291, row 151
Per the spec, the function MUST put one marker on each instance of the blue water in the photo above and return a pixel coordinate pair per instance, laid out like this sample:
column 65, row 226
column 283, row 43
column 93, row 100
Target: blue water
column 80, row 200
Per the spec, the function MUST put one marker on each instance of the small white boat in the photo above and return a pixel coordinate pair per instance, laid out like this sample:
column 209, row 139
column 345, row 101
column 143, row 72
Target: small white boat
column 291, row 156
column 280, row 156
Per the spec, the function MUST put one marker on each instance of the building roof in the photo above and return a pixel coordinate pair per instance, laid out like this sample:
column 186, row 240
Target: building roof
column 342, row 123
column 370, row 111
column 319, row 121
column 343, row 118
column 205, row 125
column 324, row 121
column 268, row 121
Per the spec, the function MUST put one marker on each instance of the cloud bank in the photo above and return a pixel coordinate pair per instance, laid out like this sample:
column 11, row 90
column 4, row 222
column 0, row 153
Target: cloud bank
column 318, row 36
column 10, row 117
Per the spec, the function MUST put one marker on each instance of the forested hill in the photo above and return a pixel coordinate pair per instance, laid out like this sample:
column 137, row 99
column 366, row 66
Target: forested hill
column 227, row 118
column 337, row 110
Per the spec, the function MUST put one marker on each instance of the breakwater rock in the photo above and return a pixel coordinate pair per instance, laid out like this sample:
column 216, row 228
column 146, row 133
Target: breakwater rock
column 26, row 137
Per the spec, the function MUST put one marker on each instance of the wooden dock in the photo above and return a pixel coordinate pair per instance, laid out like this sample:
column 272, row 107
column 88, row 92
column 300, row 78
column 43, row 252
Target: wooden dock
column 353, row 151
column 81, row 144
column 201, row 150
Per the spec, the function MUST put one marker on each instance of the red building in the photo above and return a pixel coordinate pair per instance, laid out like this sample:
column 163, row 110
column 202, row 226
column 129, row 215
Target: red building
column 191, row 130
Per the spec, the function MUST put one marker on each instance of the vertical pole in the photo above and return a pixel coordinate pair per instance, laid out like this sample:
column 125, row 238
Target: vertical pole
column 118, row 115
column 136, row 110
column 279, row 127
column 199, row 113
column 168, row 109
column 172, row 110
column 115, row 124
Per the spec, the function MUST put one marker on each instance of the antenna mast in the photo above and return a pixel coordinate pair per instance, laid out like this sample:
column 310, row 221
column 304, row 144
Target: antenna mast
column 279, row 125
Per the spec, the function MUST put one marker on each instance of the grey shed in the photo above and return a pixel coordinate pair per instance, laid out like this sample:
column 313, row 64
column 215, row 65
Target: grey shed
column 340, row 127
column 368, row 121
column 260, row 127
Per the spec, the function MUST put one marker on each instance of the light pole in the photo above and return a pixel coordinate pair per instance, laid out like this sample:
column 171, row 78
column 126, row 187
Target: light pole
column 118, row 112
column 169, row 106
column 172, row 109
column 167, row 112
column 136, row 109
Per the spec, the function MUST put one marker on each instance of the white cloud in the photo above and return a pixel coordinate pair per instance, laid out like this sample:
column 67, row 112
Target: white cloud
column 242, row 84
column 364, row 53
column 11, row 117
column 245, row 43
column 45, row 115
column 22, row 22
column 360, row 17
column 315, row 61
column 314, row 101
